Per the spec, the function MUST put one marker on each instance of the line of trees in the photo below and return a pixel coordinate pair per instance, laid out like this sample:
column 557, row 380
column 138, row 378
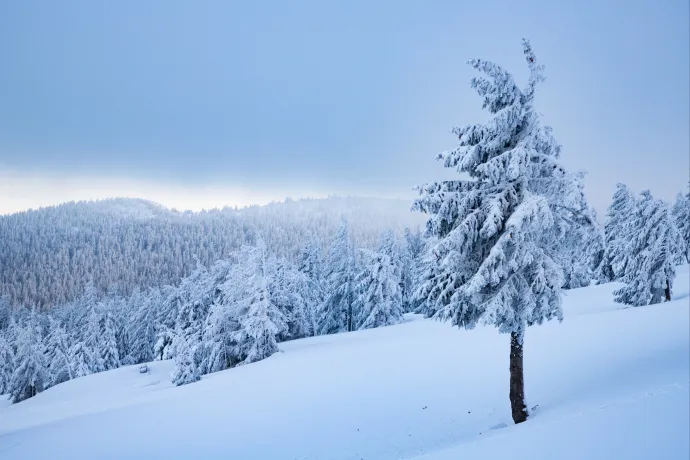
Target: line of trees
column 645, row 239
column 234, row 312
column 237, row 310
column 47, row 256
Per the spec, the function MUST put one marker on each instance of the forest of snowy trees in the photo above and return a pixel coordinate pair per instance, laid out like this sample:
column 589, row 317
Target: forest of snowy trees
column 231, row 313
column 47, row 256
column 239, row 308
column 87, row 290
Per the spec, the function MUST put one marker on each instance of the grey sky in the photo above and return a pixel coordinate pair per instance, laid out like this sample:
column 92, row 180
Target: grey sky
column 241, row 102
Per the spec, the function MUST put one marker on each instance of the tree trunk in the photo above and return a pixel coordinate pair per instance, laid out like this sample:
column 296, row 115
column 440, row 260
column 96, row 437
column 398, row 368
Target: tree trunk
column 349, row 318
column 668, row 291
column 517, row 380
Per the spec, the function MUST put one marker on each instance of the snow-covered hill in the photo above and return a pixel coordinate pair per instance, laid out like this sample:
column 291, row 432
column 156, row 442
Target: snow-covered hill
column 609, row 382
column 48, row 256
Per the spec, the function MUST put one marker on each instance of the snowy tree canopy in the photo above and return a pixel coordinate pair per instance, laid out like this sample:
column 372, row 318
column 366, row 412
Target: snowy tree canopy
column 59, row 353
column 653, row 242
column 336, row 314
column 186, row 369
column 31, row 374
column 496, row 261
column 681, row 214
column 258, row 314
column 617, row 230
column 47, row 256
column 379, row 299
column 7, row 364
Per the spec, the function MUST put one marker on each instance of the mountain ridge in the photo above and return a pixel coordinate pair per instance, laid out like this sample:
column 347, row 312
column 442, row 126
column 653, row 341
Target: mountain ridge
column 49, row 254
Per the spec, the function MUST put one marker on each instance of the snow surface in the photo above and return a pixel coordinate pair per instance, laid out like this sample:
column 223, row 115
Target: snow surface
column 609, row 382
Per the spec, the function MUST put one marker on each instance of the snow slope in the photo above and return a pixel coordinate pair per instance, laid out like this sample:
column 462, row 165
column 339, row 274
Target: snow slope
column 608, row 382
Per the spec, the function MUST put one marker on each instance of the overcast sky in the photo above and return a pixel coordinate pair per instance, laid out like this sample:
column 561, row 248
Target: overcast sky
column 199, row 104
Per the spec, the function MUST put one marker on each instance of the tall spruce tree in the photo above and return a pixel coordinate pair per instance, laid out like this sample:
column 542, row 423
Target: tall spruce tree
column 681, row 214
column 7, row 364
column 496, row 232
column 653, row 242
column 142, row 327
column 601, row 269
column 109, row 352
column 379, row 299
column 617, row 231
column 412, row 252
column 260, row 318
column 220, row 350
column 58, row 345
column 5, row 312
column 195, row 297
column 186, row 369
column 336, row 313
column 90, row 352
column 31, row 375
column 311, row 285
column 82, row 360
column 427, row 269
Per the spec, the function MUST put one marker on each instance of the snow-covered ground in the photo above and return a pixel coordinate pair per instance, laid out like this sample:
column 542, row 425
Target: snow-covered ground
column 608, row 382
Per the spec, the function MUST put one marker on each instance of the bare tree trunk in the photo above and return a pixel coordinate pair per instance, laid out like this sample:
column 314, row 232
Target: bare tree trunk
column 668, row 291
column 517, row 379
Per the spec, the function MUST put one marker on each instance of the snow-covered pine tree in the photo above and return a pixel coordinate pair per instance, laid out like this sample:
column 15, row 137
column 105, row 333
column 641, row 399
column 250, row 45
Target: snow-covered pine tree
column 572, row 252
column 282, row 279
column 186, row 369
column 379, row 299
column 82, row 360
column 109, row 352
column 31, row 375
column 5, row 312
column 497, row 231
column 310, row 260
column 310, row 286
column 617, row 231
column 90, row 296
column 681, row 214
column 336, row 313
column 219, row 349
column 427, row 268
column 164, row 346
column 122, row 312
column 261, row 320
column 142, row 327
column 58, row 345
column 573, row 260
column 584, row 254
column 653, row 243
column 412, row 252
column 389, row 246
column 196, row 296
column 579, row 274
column 166, row 309
column 7, row 364
column 308, row 296
column 90, row 353
column 596, row 256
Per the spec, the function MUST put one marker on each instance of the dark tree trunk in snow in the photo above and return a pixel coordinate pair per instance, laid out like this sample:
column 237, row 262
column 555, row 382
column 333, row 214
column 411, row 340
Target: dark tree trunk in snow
column 349, row 317
column 668, row 291
column 517, row 380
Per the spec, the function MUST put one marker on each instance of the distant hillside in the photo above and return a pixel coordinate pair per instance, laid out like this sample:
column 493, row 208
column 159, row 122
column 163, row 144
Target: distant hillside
column 48, row 255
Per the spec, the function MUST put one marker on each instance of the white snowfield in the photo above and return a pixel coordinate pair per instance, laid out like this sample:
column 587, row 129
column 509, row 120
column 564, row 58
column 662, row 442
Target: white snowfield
column 610, row 383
